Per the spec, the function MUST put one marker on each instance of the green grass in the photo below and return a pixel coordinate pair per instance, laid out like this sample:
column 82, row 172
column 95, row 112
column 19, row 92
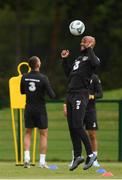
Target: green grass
column 113, row 94
column 10, row 171
column 59, row 144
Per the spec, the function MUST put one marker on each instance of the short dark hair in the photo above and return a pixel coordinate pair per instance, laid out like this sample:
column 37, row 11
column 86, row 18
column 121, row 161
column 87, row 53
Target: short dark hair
column 32, row 61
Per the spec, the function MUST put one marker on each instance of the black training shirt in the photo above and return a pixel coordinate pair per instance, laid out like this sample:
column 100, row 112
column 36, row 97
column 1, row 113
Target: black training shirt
column 35, row 85
column 79, row 71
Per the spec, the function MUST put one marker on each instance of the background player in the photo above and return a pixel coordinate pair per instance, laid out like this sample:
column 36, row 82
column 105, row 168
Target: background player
column 35, row 85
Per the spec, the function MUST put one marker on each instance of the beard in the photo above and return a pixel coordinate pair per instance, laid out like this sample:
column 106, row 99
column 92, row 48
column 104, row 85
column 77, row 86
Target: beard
column 82, row 48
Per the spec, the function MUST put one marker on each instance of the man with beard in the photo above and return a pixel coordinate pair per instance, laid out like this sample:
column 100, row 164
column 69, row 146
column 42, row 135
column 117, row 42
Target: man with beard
column 79, row 72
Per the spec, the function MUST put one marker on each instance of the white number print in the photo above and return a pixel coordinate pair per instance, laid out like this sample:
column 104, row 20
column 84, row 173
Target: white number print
column 78, row 102
column 32, row 86
column 76, row 66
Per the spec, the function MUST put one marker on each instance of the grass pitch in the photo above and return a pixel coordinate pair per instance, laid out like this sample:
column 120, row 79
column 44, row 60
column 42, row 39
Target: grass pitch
column 10, row 171
column 59, row 146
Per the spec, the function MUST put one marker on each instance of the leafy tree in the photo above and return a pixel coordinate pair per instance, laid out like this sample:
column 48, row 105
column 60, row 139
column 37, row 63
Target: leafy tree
column 42, row 28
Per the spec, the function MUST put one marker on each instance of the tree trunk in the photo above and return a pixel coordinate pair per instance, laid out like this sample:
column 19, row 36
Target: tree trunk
column 18, row 31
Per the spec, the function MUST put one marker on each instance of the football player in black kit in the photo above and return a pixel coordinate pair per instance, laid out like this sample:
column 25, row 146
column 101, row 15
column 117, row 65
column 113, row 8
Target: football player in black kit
column 35, row 85
column 79, row 73
column 90, row 119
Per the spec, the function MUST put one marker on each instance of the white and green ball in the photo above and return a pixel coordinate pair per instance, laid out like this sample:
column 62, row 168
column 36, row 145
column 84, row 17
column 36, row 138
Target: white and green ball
column 76, row 27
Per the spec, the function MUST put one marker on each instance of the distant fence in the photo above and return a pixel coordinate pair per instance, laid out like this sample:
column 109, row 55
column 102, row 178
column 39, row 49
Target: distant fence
column 109, row 135
column 119, row 102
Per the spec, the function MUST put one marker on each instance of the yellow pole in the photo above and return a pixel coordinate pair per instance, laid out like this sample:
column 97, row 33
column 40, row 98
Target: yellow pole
column 14, row 136
column 34, row 146
column 21, row 136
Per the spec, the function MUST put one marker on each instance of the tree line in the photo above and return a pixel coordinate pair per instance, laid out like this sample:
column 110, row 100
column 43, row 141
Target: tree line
column 42, row 28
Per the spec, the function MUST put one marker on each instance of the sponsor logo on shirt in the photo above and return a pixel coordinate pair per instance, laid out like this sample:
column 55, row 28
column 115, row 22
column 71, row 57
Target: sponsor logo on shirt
column 94, row 124
column 98, row 59
column 91, row 81
column 99, row 81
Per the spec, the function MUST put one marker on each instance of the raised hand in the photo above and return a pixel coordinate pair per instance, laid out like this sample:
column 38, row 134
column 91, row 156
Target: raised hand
column 65, row 53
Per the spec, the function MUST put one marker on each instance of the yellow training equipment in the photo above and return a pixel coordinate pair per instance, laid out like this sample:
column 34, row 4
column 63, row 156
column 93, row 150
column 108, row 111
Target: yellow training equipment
column 17, row 102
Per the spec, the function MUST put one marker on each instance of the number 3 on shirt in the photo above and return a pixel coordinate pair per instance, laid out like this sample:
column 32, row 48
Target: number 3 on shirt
column 76, row 65
column 32, row 86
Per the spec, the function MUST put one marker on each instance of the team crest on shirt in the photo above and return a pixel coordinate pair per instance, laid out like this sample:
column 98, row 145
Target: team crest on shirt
column 85, row 58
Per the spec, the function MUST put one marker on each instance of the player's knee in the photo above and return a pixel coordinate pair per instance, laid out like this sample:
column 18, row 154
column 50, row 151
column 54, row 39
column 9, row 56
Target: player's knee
column 28, row 131
column 44, row 133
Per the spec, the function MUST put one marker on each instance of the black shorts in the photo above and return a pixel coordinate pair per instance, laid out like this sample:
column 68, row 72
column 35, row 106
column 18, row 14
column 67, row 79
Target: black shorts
column 90, row 120
column 76, row 107
column 35, row 119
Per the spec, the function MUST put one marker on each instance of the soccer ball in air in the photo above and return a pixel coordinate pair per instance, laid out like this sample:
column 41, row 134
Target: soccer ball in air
column 76, row 27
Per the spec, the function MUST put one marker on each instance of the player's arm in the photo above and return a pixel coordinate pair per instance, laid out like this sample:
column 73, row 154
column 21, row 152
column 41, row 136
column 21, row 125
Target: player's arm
column 95, row 61
column 65, row 109
column 48, row 87
column 22, row 88
column 66, row 62
column 98, row 88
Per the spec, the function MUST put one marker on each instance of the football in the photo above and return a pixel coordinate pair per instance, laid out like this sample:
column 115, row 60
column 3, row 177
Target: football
column 76, row 27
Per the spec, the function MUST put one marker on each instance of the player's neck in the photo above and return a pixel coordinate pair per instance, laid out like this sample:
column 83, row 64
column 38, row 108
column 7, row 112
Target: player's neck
column 37, row 69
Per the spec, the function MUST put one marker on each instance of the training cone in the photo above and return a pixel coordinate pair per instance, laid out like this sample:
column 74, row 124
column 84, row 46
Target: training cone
column 53, row 167
column 101, row 170
column 107, row 174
